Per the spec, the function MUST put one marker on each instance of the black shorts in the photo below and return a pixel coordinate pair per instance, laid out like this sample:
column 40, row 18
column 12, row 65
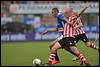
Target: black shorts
column 82, row 37
column 66, row 42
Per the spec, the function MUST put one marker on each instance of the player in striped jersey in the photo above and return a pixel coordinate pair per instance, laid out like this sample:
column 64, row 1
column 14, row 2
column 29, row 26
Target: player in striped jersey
column 81, row 35
column 67, row 41
column 60, row 25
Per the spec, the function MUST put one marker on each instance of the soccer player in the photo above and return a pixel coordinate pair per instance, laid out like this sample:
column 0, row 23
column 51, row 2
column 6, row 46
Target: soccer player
column 80, row 33
column 60, row 25
column 49, row 31
column 68, row 41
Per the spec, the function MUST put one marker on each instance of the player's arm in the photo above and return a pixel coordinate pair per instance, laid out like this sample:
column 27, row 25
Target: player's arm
column 67, row 21
column 84, row 8
column 60, row 29
column 52, row 30
column 79, row 24
column 49, row 30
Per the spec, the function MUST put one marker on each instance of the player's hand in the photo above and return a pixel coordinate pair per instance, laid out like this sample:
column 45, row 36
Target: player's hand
column 45, row 32
column 87, row 4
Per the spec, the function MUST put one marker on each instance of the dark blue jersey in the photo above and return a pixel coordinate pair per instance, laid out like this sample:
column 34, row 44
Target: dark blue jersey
column 60, row 22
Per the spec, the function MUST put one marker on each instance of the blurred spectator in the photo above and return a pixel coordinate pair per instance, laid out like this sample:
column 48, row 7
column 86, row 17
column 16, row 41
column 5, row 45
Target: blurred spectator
column 36, row 22
column 31, row 21
column 42, row 2
column 49, row 20
column 15, row 2
column 2, row 14
column 16, row 28
column 18, row 18
column 23, row 2
column 92, row 19
column 30, row 2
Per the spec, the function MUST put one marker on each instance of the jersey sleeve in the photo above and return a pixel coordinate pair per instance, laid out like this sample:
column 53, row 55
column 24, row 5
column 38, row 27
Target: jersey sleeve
column 61, row 16
column 58, row 26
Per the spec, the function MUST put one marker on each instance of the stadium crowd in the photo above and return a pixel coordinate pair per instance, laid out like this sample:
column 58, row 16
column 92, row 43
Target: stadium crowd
column 14, row 23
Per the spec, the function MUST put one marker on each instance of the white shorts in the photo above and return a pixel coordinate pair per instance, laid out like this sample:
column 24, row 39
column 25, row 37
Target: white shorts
column 60, row 37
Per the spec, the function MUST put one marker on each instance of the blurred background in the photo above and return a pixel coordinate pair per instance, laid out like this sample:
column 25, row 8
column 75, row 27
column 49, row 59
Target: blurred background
column 21, row 17
column 24, row 20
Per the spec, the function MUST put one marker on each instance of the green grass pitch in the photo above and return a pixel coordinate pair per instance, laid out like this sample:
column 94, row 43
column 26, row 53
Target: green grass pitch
column 23, row 53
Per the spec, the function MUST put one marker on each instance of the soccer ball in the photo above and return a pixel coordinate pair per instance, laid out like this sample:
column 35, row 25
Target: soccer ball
column 37, row 61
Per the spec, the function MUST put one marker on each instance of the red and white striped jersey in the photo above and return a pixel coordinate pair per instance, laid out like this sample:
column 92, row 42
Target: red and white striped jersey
column 69, row 31
column 79, row 30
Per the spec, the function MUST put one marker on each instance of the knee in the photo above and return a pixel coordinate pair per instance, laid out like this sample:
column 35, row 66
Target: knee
column 51, row 45
column 53, row 50
column 88, row 44
column 55, row 47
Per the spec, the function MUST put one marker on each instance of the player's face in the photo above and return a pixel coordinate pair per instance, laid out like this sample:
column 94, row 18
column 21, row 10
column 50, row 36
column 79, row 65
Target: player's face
column 54, row 13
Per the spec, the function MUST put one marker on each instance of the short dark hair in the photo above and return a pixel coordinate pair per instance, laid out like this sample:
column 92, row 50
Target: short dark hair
column 55, row 9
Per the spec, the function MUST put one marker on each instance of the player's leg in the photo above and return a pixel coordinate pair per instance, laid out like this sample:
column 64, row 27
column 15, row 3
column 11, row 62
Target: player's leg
column 84, row 38
column 79, row 55
column 67, row 49
column 71, row 44
column 53, row 52
column 70, row 51
column 56, row 59
column 76, row 41
column 92, row 45
column 57, row 45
